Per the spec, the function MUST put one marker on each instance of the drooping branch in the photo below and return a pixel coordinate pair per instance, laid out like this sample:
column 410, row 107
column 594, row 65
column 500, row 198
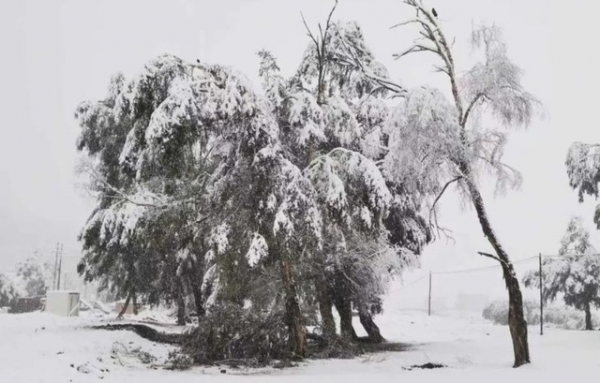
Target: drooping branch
column 465, row 118
column 439, row 196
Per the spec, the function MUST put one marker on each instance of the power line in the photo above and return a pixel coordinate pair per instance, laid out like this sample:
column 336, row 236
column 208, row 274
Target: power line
column 410, row 284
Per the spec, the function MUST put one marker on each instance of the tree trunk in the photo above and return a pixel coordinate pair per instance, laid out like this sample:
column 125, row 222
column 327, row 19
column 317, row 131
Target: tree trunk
column 195, row 280
column 344, row 308
column 125, row 306
column 366, row 320
column 180, row 305
column 516, row 317
column 326, row 310
column 134, row 301
column 588, row 317
column 292, row 309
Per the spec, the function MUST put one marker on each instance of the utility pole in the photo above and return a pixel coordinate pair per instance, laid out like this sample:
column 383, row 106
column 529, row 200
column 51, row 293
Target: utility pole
column 541, row 299
column 55, row 268
column 429, row 304
column 59, row 266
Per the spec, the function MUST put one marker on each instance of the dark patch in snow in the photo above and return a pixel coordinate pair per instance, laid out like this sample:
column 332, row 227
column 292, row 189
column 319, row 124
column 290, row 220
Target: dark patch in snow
column 145, row 332
column 426, row 366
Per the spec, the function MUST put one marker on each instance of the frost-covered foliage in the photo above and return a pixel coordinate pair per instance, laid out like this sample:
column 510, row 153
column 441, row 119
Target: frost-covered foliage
column 249, row 203
column 332, row 113
column 34, row 276
column 191, row 179
column 434, row 140
column 575, row 274
column 497, row 312
column 8, row 291
column 583, row 169
column 561, row 317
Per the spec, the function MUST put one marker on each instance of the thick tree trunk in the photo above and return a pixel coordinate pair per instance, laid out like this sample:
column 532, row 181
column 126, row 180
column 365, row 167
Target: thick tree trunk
column 197, row 293
column 292, row 308
column 180, row 305
column 195, row 279
column 326, row 310
column 343, row 306
column 125, row 306
column 588, row 317
column 366, row 320
column 516, row 317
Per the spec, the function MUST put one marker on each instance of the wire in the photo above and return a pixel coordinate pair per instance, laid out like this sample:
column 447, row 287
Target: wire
column 410, row 284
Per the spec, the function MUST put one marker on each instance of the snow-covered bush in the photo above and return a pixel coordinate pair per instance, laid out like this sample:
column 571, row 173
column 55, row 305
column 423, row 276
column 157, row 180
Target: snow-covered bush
column 562, row 317
column 497, row 312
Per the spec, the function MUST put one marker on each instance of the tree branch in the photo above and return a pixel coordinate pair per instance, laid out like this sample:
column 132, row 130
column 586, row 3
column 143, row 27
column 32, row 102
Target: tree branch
column 440, row 196
column 493, row 257
column 310, row 34
column 415, row 49
column 479, row 96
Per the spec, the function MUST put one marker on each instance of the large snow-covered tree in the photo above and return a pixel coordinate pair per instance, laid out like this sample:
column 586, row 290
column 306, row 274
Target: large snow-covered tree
column 575, row 274
column 273, row 206
column 331, row 113
column 435, row 142
column 194, row 147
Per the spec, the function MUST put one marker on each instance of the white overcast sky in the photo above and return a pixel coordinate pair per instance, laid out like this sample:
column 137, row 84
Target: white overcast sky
column 56, row 54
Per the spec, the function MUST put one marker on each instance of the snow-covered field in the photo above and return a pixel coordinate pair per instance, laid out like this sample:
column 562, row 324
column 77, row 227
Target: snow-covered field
column 43, row 348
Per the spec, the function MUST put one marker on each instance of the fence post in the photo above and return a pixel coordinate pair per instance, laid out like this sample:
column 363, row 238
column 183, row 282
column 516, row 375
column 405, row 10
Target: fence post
column 429, row 304
column 541, row 299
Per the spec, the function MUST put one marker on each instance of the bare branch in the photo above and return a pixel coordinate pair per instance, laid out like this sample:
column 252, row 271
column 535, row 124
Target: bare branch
column 415, row 49
column 310, row 33
column 479, row 96
column 492, row 256
column 330, row 15
column 433, row 206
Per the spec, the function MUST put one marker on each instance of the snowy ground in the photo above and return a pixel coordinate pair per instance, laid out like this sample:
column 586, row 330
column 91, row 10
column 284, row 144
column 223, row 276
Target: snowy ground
column 43, row 348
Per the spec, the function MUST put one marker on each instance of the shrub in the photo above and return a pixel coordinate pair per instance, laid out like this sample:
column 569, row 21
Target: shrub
column 231, row 334
column 497, row 312
column 563, row 317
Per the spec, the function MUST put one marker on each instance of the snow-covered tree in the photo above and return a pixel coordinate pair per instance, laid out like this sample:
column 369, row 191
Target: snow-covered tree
column 192, row 148
column 434, row 141
column 331, row 115
column 270, row 206
column 8, row 292
column 575, row 274
column 34, row 276
column 583, row 169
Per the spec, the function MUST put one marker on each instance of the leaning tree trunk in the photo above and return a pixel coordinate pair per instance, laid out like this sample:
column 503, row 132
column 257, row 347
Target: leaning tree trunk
column 516, row 317
column 292, row 310
column 588, row 317
column 366, row 320
column 325, row 309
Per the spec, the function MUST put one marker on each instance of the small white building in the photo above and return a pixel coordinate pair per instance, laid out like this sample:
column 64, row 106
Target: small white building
column 63, row 303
